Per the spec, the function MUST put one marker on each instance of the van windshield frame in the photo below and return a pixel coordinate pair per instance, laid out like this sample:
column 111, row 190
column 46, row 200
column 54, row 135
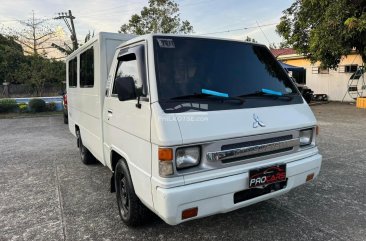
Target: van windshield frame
column 185, row 66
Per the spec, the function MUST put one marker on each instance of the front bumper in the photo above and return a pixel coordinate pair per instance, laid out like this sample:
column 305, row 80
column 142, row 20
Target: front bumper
column 217, row 195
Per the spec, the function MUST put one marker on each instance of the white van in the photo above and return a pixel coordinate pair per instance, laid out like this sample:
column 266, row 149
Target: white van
column 189, row 126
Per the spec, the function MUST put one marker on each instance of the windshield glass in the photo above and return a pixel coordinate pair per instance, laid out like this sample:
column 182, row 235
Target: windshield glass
column 187, row 66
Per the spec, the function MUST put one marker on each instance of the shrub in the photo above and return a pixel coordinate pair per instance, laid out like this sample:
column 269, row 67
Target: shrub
column 37, row 105
column 51, row 106
column 23, row 107
column 8, row 105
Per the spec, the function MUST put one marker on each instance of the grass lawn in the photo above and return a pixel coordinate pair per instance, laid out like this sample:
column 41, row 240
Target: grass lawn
column 28, row 115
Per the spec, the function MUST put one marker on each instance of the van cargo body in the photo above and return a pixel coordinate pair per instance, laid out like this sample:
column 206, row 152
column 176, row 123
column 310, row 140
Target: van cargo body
column 189, row 126
column 85, row 103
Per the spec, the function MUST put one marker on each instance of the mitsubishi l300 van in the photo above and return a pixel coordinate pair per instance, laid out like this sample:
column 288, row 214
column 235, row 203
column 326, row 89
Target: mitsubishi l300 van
column 189, row 126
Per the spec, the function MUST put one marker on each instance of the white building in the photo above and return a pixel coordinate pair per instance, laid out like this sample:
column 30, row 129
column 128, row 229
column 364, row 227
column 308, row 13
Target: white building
column 332, row 82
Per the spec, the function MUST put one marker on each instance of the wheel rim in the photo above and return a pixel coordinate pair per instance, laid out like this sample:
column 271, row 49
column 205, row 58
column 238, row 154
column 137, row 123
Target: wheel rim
column 124, row 203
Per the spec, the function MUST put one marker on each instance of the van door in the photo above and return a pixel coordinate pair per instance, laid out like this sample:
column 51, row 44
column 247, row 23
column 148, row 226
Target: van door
column 127, row 125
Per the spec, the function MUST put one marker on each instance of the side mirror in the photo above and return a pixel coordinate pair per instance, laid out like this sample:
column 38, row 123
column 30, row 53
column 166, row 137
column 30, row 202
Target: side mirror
column 125, row 87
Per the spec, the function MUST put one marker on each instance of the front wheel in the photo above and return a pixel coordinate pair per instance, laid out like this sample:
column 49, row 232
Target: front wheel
column 131, row 209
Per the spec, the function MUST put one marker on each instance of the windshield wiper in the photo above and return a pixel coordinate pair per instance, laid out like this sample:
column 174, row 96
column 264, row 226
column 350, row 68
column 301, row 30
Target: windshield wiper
column 210, row 95
column 268, row 93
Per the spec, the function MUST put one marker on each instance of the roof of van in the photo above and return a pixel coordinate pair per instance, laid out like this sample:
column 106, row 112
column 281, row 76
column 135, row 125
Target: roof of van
column 135, row 38
column 150, row 36
column 99, row 36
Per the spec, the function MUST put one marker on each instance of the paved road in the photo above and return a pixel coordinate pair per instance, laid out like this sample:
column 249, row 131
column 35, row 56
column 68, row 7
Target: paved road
column 46, row 193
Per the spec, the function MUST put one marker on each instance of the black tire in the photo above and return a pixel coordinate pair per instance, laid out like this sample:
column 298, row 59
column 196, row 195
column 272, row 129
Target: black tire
column 85, row 155
column 66, row 119
column 131, row 210
column 308, row 98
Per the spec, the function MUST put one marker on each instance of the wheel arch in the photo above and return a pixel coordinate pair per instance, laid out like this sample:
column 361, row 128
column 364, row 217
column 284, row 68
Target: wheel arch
column 115, row 157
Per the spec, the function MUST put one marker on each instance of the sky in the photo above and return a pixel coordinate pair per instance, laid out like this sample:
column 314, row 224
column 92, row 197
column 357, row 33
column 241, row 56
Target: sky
column 218, row 18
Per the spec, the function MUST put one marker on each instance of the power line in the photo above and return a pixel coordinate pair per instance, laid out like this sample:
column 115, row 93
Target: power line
column 6, row 21
column 23, row 20
column 113, row 9
column 239, row 29
column 116, row 9
column 66, row 16
column 263, row 32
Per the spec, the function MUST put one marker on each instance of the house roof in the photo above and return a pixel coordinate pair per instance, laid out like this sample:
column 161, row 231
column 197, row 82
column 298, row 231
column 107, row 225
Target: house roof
column 284, row 51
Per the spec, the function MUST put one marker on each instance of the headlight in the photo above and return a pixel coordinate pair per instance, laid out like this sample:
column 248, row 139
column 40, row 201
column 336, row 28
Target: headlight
column 306, row 137
column 187, row 157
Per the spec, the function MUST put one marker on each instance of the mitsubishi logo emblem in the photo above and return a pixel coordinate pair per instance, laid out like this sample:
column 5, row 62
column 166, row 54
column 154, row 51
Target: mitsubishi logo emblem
column 257, row 122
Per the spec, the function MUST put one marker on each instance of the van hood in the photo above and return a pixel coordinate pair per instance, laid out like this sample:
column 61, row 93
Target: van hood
column 195, row 127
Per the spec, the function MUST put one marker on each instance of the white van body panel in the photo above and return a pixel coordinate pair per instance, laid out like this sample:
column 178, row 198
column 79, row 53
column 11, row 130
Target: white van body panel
column 216, row 195
column 85, row 104
column 218, row 125
column 165, row 129
column 127, row 132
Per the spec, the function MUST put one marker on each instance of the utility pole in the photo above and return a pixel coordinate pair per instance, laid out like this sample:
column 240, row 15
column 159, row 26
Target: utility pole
column 68, row 16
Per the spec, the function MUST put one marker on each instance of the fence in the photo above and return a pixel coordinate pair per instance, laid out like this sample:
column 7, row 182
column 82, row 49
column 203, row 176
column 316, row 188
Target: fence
column 17, row 91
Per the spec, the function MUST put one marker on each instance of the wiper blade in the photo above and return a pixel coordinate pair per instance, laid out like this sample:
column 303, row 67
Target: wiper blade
column 209, row 95
column 268, row 93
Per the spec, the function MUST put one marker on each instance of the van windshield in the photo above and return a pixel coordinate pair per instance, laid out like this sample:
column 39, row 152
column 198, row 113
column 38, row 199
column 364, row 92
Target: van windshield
column 208, row 70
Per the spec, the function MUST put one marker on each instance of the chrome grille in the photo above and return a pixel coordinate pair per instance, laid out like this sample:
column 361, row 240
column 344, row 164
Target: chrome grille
column 257, row 142
column 252, row 149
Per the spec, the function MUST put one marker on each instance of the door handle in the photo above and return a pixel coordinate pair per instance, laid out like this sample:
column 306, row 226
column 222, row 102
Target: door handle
column 110, row 114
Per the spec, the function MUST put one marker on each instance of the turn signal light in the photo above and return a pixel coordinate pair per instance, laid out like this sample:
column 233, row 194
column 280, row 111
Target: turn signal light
column 189, row 213
column 310, row 177
column 165, row 154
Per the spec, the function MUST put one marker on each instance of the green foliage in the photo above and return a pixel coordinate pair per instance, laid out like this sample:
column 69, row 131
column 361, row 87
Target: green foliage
column 11, row 56
column 51, row 106
column 37, row 105
column 23, row 107
column 161, row 16
column 33, row 70
column 325, row 30
column 36, row 71
column 8, row 105
column 249, row 39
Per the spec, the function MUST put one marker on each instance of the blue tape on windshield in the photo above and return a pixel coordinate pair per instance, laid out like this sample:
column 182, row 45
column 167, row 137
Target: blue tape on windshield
column 215, row 93
column 272, row 92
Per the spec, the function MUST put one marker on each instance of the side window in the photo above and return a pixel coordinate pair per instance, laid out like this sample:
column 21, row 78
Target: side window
column 128, row 67
column 87, row 69
column 73, row 72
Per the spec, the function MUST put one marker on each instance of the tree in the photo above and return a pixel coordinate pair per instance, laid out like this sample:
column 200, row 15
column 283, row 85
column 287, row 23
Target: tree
column 88, row 36
column 35, row 37
column 11, row 56
column 325, row 30
column 249, row 39
column 36, row 71
column 32, row 70
column 161, row 16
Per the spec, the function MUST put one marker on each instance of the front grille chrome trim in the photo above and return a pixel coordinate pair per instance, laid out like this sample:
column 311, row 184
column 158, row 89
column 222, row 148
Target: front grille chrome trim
column 252, row 150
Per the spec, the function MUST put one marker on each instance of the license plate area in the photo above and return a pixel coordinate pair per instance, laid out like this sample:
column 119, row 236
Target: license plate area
column 267, row 175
